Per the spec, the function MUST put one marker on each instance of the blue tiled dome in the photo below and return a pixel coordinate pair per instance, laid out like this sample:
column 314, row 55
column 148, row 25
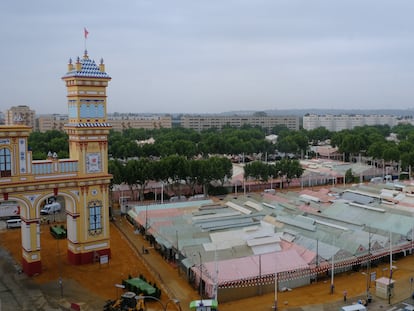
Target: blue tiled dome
column 88, row 69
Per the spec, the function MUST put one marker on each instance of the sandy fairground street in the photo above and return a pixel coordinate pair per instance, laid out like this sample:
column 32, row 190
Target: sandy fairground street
column 91, row 285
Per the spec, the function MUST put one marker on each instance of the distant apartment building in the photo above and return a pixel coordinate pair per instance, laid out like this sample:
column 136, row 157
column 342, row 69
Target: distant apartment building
column 51, row 122
column 200, row 123
column 336, row 123
column 122, row 122
column 21, row 115
column 118, row 121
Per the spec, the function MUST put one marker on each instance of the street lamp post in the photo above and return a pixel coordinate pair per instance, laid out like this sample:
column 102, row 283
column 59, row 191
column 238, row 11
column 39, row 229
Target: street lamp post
column 333, row 270
column 201, row 279
column 276, row 289
column 146, row 219
column 162, row 192
column 164, row 306
column 389, row 280
column 369, row 265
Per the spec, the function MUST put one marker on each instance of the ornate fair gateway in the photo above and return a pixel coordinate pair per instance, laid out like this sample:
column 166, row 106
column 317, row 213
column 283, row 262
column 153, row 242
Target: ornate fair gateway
column 82, row 181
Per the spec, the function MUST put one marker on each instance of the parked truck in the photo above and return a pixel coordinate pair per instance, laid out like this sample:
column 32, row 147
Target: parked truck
column 51, row 208
column 9, row 210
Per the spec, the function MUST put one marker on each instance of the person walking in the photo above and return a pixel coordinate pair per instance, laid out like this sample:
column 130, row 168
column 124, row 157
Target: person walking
column 345, row 293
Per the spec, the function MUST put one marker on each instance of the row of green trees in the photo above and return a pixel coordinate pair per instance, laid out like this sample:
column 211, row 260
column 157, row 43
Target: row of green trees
column 367, row 140
column 286, row 169
column 177, row 147
column 54, row 141
column 187, row 142
column 172, row 171
column 371, row 141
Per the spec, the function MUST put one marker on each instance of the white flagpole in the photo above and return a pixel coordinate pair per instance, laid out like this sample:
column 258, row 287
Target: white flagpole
column 85, row 35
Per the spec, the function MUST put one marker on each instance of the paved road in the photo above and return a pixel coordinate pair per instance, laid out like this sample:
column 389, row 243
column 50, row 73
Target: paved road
column 17, row 292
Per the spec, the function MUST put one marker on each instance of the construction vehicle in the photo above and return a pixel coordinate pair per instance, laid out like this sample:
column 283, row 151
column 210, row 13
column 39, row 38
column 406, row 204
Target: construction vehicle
column 128, row 301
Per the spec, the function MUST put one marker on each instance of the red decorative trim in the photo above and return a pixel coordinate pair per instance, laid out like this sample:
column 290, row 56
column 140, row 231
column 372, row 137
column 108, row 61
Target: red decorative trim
column 30, row 221
column 73, row 215
column 86, row 258
column 5, row 196
column 31, row 268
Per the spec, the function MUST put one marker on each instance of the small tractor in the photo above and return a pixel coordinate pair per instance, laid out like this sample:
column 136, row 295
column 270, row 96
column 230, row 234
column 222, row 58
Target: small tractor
column 128, row 301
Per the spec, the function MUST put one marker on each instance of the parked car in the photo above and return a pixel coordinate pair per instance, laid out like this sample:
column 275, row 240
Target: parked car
column 51, row 208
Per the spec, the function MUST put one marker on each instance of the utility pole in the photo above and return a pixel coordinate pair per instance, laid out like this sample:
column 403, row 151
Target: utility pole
column 276, row 289
column 369, row 264
column 201, row 279
column 317, row 259
column 389, row 281
column 146, row 219
column 333, row 270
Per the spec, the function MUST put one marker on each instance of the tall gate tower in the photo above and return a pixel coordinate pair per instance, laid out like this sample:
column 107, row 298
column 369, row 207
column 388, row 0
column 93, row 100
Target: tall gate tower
column 88, row 226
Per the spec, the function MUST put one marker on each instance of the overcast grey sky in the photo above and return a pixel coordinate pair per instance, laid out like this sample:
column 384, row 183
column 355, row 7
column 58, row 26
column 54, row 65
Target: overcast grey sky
column 214, row 55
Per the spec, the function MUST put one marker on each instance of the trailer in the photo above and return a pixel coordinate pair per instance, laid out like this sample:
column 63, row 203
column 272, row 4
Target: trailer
column 9, row 210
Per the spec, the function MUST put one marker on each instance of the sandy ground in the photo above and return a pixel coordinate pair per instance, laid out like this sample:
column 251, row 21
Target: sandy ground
column 85, row 283
column 93, row 284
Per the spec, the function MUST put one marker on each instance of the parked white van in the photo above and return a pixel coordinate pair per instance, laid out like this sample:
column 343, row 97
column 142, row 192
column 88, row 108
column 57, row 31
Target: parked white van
column 13, row 223
column 51, row 208
column 354, row 307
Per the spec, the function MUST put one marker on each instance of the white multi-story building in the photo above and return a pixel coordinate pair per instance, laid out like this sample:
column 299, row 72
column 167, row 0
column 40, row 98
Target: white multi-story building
column 200, row 123
column 336, row 123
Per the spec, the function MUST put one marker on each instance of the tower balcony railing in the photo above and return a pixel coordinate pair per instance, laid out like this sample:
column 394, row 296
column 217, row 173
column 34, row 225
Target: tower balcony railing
column 48, row 167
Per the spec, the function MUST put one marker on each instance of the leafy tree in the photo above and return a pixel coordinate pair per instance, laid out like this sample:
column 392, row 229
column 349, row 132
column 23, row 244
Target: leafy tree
column 319, row 134
column 405, row 146
column 166, row 148
column 376, row 149
column 257, row 170
column 403, row 130
column 292, row 142
column 54, row 141
column 138, row 173
column 116, row 168
column 281, row 130
column 351, row 143
column 290, row 169
column 287, row 145
column 407, row 160
column 185, row 147
column 391, row 153
column 177, row 168
column 195, row 175
column 349, row 176
column 220, row 169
